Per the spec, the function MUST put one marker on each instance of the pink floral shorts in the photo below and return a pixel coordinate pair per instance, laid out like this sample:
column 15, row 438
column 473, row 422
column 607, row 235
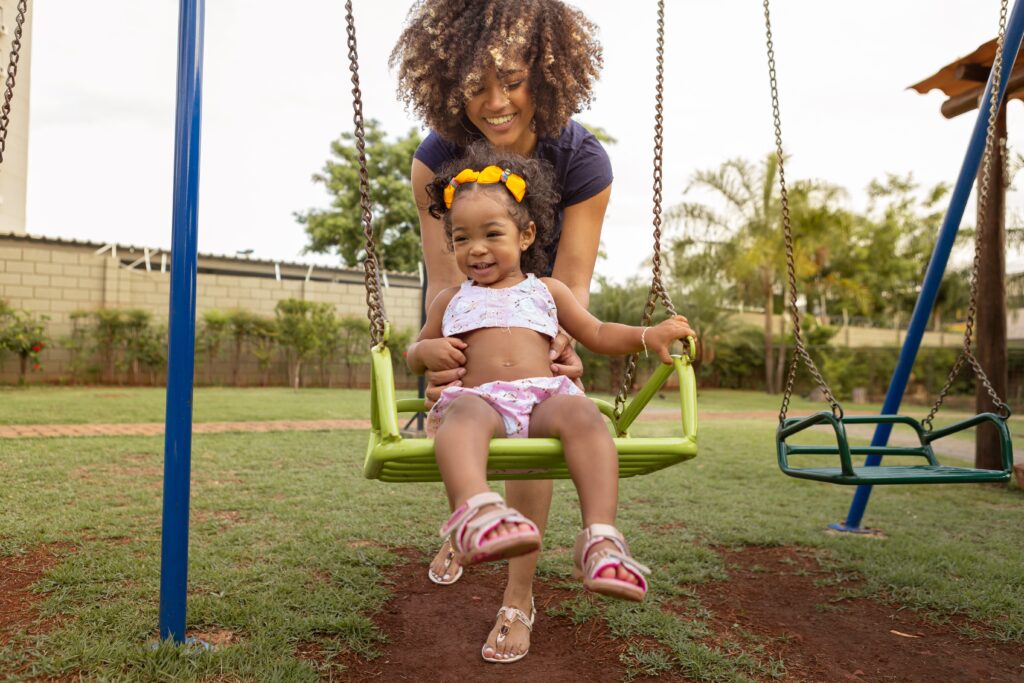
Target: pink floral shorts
column 514, row 401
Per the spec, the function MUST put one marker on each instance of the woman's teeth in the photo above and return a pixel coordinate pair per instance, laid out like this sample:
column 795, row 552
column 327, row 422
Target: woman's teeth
column 499, row 120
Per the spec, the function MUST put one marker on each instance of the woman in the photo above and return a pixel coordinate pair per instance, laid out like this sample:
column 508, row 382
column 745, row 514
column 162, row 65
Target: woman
column 512, row 72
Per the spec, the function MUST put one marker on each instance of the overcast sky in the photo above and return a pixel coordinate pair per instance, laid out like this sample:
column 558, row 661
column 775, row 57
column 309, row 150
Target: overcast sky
column 277, row 91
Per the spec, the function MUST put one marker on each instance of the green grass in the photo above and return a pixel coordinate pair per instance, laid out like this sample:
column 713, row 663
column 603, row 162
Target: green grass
column 79, row 405
column 288, row 541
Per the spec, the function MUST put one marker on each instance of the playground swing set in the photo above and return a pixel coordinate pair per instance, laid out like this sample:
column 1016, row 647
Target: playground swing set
column 391, row 457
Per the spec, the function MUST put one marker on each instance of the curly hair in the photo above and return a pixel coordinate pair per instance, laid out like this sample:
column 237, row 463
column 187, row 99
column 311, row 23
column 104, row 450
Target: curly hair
column 538, row 205
column 448, row 45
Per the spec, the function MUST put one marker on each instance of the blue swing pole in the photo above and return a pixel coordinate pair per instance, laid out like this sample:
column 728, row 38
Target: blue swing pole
column 182, row 323
column 937, row 265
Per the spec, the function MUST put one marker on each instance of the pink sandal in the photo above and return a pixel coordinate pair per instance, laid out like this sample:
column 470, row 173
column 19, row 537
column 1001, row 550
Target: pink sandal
column 590, row 564
column 468, row 527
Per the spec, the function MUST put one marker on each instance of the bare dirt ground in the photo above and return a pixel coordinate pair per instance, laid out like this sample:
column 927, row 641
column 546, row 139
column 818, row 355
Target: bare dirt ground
column 773, row 595
column 435, row 633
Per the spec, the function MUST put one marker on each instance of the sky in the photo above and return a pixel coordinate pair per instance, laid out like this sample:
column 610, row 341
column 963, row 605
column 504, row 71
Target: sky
column 277, row 92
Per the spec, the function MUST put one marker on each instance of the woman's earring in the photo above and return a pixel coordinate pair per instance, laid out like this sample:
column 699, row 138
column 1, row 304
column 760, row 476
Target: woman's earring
column 533, row 125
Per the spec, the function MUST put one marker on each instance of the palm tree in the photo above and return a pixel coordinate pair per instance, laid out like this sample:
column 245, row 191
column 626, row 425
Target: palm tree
column 738, row 241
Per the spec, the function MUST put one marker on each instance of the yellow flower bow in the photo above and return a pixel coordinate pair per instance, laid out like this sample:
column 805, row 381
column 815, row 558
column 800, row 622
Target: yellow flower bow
column 489, row 176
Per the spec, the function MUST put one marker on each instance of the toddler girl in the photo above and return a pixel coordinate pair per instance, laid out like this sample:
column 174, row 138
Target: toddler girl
column 499, row 211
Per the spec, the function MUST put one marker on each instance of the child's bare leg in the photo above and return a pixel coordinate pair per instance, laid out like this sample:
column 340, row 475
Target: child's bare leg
column 592, row 460
column 533, row 499
column 461, row 445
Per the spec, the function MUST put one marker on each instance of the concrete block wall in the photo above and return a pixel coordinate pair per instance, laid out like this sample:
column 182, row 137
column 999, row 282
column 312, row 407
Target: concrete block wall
column 57, row 278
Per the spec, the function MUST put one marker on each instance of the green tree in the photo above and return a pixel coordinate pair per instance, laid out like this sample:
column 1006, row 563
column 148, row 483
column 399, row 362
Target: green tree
column 339, row 229
column 739, row 237
column 354, row 339
column 297, row 334
column 215, row 331
column 262, row 344
column 241, row 327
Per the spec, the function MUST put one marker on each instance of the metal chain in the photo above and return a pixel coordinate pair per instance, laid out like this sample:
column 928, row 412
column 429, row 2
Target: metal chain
column 12, row 74
column 371, row 262
column 657, row 289
column 800, row 353
column 983, row 198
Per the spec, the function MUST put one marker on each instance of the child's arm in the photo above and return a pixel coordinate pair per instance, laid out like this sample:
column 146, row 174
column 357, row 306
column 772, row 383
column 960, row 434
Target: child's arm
column 432, row 350
column 614, row 339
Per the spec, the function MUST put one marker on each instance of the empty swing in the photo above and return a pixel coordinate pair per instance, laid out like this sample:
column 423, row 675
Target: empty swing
column 931, row 472
column 394, row 458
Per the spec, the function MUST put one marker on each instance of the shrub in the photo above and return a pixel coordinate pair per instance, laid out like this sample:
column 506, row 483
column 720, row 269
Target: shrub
column 24, row 334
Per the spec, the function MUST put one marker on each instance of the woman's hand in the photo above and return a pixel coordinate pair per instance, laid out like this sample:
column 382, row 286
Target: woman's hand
column 660, row 337
column 564, row 360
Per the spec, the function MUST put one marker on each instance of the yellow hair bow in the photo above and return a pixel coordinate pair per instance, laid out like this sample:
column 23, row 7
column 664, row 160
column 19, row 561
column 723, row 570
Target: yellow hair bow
column 489, row 176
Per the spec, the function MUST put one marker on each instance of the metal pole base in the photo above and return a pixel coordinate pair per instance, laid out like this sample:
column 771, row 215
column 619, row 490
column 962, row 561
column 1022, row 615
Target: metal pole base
column 842, row 528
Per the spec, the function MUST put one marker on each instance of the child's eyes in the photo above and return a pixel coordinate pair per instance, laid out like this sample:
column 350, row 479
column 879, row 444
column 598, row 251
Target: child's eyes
column 458, row 239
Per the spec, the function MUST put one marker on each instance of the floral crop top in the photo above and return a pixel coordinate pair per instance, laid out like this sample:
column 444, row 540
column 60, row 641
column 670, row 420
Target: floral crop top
column 527, row 304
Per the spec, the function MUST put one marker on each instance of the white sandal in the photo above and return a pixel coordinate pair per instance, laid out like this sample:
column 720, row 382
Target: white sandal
column 589, row 564
column 511, row 615
column 468, row 527
column 444, row 579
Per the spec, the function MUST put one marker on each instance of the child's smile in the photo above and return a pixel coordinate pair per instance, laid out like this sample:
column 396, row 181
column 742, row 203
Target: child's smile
column 487, row 241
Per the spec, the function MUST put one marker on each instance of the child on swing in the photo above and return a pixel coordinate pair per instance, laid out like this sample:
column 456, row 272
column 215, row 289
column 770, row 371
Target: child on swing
column 498, row 211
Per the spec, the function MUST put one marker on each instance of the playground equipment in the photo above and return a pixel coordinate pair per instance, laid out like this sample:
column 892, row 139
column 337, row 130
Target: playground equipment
column 392, row 457
column 982, row 141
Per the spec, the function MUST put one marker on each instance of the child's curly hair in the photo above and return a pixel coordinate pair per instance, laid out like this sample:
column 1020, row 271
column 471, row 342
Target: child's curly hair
column 448, row 45
column 538, row 205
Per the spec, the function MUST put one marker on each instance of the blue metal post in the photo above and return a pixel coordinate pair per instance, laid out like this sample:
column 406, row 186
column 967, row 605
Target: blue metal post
column 937, row 265
column 182, row 332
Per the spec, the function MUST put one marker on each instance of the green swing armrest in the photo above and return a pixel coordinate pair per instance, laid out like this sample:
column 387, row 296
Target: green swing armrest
column 1005, row 443
column 795, row 425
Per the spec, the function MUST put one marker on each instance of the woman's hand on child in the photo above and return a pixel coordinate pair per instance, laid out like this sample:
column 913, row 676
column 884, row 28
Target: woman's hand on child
column 660, row 337
column 564, row 359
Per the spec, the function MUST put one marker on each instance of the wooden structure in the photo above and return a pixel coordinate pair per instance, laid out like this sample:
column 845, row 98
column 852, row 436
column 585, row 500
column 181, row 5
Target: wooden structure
column 963, row 81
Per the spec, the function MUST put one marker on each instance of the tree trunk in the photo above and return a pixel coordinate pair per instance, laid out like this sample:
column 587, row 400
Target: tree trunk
column 298, row 374
column 990, row 330
column 780, row 360
column 238, row 361
column 769, row 366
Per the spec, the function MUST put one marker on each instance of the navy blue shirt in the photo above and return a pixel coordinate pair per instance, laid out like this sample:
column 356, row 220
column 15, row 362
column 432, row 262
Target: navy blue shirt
column 582, row 167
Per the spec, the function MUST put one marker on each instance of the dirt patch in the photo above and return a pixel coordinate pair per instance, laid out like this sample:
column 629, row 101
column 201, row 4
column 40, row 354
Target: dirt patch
column 774, row 593
column 435, row 633
column 18, row 573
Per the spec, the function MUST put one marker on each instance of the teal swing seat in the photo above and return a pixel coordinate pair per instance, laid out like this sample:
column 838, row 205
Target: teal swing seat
column 873, row 473
column 930, row 473
column 394, row 458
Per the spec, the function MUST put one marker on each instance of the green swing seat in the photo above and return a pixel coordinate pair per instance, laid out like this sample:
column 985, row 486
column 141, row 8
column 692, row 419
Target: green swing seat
column 394, row 458
column 930, row 473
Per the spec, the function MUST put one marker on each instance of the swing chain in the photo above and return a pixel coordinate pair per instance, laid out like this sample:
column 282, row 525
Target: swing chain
column 12, row 73
column 657, row 289
column 800, row 352
column 966, row 354
column 371, row 262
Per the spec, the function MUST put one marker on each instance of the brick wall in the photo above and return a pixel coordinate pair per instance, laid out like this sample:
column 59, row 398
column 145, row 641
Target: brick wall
column 58, row 277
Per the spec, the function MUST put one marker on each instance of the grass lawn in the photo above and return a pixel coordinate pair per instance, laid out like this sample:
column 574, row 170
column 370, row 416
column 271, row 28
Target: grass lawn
column 288, row 541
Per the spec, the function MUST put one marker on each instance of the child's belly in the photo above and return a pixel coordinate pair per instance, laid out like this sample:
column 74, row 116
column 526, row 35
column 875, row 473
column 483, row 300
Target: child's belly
column 498, row 353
